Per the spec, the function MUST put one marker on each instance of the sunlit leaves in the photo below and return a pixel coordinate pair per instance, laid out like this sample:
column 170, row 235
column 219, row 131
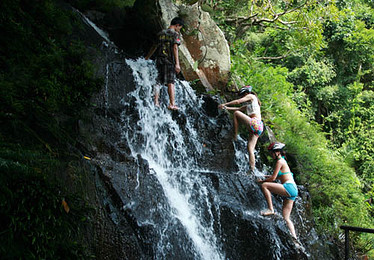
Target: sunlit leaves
column 359, row 144
column 300, row 20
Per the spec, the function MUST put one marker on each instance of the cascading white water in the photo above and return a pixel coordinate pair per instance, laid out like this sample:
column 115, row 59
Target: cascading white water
column 103, row 34
column 161, row 141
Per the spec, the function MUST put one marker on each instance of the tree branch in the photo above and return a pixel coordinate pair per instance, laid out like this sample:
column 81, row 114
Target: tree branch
column 245, row 21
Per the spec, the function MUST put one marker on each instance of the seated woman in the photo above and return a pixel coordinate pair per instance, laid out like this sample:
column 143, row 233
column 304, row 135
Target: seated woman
column 287, row 189
column 251, row 118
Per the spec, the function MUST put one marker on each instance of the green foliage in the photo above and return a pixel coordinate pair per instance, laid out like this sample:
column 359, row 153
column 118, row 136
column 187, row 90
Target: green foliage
column 351, row 47
column 43, row 73
column 34, row 224
column 313, row 74
column 359, row 144
column 284, row 22
column 314, row 78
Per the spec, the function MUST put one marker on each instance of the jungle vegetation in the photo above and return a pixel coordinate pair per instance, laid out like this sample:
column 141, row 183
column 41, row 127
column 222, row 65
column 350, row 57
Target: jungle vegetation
column 45, row 80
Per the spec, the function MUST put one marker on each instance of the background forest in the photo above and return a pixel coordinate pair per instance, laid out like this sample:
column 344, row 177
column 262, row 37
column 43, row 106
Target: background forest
column 311, row 63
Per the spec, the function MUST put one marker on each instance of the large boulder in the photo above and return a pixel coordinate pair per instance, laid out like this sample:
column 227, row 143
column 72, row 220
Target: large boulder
column 204, row 53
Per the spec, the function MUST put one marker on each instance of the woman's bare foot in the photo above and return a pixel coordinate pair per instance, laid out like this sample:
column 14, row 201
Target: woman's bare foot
column 267, row 212
column 173, row 107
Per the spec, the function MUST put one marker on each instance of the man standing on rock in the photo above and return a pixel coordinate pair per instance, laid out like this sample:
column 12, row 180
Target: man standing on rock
column 167, row 59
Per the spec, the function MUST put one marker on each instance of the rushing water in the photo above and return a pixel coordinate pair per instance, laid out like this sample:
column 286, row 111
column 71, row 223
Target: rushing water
column 163, row 143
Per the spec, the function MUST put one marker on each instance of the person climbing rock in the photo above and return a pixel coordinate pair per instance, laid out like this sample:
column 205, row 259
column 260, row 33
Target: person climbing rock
column 249, row 114
column 167, row 59
column 286, row 188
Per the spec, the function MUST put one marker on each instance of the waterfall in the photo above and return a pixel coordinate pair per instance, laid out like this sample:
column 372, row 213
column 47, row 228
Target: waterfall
column 102, row 33
column 173, row 151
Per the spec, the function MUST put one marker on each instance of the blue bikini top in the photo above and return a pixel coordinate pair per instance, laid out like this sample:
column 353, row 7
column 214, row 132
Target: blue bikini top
column 283, row 173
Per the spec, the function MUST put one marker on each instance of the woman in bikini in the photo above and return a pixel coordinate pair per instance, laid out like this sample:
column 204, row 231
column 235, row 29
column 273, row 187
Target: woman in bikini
column 250, row 114
column 287, row 188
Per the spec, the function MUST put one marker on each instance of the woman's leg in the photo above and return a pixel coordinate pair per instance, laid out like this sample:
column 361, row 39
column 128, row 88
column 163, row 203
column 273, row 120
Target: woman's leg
column 240, row 116
column 271, row 187
column 252, row 140
column 287, row 208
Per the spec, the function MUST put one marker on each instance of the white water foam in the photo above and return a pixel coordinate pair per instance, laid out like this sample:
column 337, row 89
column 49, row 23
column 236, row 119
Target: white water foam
column 164, row 147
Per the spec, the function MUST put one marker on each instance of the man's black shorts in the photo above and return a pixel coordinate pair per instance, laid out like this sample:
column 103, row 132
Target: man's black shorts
column 166, row 73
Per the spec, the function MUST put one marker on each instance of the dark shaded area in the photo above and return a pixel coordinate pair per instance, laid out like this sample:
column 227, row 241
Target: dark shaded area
column 132, row 29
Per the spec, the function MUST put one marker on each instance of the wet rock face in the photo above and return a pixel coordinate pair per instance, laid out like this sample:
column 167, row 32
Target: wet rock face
column 135, row 200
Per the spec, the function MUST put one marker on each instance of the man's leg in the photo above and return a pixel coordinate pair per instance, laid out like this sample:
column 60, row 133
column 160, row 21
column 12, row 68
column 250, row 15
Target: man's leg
column 171, row 92
column 157, row 94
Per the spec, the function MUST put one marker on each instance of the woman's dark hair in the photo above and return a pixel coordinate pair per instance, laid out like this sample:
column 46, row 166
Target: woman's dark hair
column 177, row 20
column 283, row 153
